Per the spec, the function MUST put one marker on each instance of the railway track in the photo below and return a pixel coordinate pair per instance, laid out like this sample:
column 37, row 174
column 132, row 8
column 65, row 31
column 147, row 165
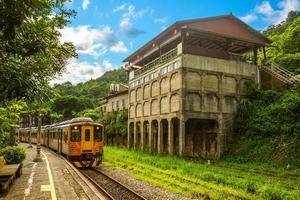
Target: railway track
column 110, row 187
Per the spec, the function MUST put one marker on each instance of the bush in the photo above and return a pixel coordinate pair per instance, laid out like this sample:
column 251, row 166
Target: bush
column 13, row 154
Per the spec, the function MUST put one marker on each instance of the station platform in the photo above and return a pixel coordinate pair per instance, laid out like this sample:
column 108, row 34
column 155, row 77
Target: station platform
column 52, row 179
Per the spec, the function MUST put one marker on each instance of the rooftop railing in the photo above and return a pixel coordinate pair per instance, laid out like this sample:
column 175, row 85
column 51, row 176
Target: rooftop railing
column 158, row 61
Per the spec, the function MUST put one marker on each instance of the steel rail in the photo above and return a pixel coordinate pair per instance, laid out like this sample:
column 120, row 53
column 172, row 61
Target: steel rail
column 112, row 180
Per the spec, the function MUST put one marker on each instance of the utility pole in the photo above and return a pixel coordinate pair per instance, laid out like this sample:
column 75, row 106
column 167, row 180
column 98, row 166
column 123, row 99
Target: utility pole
column 38, row 145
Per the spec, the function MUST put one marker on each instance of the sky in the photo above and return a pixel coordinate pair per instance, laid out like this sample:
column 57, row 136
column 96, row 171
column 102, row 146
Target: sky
column 107, row 31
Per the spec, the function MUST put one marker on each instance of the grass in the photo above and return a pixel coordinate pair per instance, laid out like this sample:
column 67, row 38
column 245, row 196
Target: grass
column 198, row 179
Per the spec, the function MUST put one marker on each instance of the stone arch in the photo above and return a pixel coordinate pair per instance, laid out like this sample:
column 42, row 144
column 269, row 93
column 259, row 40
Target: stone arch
column 164, row 85
column 175, row 103
column 175, row 81
column 201, row 138
column 146, row 91
column 164, row 105
column 139, row 94
column 193, row 102
column 229, row 84
column 146, row 108
column 132, row 96
column 154, row 89
column 193, row 80
column 211, row 82
column 154, row 131
column 131, row 112
column 139, row 110
column 154, row 107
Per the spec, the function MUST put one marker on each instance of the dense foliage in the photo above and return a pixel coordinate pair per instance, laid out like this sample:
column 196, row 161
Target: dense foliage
column 267, row 127
column 93, row 89
column 13, row 154
column 68, row 106
column 9, row 120
column 114, row 122
column 30, row 48
column 286, row 39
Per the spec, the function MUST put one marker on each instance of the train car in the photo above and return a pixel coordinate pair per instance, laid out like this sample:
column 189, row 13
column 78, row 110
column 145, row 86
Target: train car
column 80, row 140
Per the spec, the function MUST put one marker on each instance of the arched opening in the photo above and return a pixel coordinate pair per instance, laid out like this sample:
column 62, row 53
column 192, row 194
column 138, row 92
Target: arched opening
column 131, row 135
column 155, row 135
column 146, row 135
column 138, row 135
column 164, row 131
column 201, row 138
column 175, row 129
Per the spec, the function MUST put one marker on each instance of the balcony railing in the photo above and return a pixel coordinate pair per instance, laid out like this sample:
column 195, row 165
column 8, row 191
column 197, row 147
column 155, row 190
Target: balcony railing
column 242, row 58
column 158, row 61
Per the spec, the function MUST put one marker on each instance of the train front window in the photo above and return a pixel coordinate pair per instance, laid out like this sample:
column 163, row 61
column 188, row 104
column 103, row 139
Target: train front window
column 87, row 135
column 75, row 136
column 97, row 133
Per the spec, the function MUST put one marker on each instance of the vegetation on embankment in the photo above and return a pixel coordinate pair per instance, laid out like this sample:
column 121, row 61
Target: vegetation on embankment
column 285, row 49
column 267, row 128
column 221, row 180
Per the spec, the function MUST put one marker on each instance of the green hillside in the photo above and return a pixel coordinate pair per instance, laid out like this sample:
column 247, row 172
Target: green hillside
column 94, row 88
column 71, row 100
column 285, row 49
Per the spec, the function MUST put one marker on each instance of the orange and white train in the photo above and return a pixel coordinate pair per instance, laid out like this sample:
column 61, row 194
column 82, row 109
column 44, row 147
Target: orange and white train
column 80, row 140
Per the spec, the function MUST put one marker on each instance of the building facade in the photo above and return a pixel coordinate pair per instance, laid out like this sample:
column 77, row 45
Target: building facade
column 186, row 83
column 116, row 100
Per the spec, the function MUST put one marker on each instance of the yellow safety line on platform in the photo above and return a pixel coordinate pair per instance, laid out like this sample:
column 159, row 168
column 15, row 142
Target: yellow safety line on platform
column 53, row 194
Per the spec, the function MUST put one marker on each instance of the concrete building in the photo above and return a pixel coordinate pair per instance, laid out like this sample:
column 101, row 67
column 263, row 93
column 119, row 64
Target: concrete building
column 186, row 83
column 117, row 98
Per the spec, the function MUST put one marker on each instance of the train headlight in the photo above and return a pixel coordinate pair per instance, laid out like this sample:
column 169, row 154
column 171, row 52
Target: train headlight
column 75, row 127
column 97, row 128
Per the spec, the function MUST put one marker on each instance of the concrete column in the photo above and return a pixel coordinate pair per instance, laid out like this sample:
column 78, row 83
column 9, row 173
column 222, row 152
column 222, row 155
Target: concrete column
column 134, row 135
column 220, row 138
column 142, row 136
column 170, row 137
column 181, row 136
column 150, row 142
column 160, row 137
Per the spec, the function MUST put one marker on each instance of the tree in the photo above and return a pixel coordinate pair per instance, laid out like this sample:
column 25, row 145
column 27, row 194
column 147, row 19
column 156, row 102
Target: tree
column 286, row 39
column 9, row 115
column 30, row 49
column 69, row 106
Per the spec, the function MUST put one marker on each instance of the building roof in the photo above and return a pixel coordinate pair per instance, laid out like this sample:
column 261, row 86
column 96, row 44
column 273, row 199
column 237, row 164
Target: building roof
column 227, row 26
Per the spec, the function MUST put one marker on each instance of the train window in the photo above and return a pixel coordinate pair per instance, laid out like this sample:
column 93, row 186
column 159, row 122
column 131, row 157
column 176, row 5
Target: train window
column 75, row 136
column 87, row 135
column 97, row 133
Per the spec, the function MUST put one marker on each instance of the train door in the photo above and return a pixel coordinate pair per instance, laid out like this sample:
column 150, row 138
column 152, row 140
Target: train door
column 61, row 139
column 87, row 138
column 48, row 133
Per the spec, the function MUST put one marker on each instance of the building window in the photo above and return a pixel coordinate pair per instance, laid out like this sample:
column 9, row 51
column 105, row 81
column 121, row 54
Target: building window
column 117, row 105
column 123, row 103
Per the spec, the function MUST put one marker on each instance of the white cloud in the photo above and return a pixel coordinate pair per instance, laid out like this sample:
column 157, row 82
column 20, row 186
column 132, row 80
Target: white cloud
column 120, row 8
column 85, row 4
column 272, row 15
column 128, row 29
column 129, row 15
column 249, row 18
column 265, row 8
column 91, row 41
column 77, row 72
column 161, row 20
column 119, row 47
